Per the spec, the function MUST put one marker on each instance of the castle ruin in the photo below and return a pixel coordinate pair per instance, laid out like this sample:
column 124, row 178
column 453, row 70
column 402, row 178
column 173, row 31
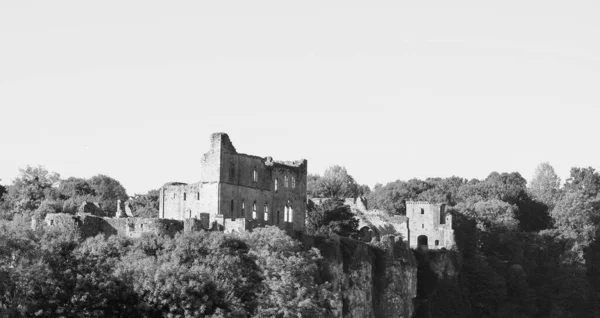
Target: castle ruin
column 239, row 191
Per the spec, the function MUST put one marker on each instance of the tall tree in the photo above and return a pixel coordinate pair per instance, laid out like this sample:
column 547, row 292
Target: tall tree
column 545, row 184
column 108, row 191
column 313, row 188
column 31, row 187
column 337, row 183
column 584, row 179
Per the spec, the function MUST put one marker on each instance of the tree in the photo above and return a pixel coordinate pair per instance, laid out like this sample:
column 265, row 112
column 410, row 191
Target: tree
column 545, row 184
column 31, row 187
column 290, row 276
column 2, row 191
column 337, row 183
column 146, row 205
column 585, row 179
column 577, row 218
column 332, row 217
column 73, row 187
column 108, row 191
column 313, row 189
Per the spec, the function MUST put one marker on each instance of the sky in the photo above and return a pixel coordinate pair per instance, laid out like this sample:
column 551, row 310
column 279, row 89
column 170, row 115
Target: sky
column 389, row 89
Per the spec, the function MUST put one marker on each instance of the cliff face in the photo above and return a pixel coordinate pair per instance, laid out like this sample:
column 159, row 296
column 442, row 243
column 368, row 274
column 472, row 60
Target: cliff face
column 439, row 290
column 373, row 281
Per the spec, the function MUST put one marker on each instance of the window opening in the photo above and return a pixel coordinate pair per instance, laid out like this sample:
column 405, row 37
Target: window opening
column 232, row 210
column 184, row 196
column 254, row 210
column 293, row 182
column 422, row 226
column 285, row 181
column 255, row 176
column 266, row 212
column 437, row 242
column 276, row 184
column 422, row 211
column 243, row 209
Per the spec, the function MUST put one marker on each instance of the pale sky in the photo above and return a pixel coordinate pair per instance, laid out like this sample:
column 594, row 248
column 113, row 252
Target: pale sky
column 389, row 89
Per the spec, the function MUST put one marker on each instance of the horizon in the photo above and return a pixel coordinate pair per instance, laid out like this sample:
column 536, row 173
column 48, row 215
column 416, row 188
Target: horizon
column 391, row 91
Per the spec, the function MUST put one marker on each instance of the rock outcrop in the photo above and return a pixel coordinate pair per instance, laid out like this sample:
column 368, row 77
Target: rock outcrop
column 373, row 280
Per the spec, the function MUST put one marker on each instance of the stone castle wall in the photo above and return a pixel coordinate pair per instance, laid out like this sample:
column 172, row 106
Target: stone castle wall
column 430, row 221
column 88, row 225
column 232, row 184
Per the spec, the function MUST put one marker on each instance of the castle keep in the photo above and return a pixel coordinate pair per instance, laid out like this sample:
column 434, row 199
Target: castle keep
column 429, row 225
column 238, row 192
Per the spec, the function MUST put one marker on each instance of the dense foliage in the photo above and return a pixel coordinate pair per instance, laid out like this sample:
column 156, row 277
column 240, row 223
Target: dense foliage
column 331, row 217
column 202, row 274
column 36, row 191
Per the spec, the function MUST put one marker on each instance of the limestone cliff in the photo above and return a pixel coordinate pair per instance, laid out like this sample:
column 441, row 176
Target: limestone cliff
column 373, row 281
column 439, row 289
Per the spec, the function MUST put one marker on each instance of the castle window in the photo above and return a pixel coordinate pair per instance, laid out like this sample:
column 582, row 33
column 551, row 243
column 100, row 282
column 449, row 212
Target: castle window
column 276, row 184
column 243, row 209
column 232, row 215
column 443, row 214
column 437, row 242
column 255, row 176
column 184, row 196
column 285, row 213
column 254, row 210
column 197, row 195
column 266, row 212
column 290, row 214
column 293, row 182
column 422, row 211
column 285, row 181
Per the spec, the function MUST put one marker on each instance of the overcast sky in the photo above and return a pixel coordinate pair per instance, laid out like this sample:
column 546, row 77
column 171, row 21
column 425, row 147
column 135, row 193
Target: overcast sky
column 389, row 89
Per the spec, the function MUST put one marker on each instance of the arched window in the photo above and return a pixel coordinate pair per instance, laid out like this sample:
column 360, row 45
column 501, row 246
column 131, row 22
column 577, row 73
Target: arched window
column 266, row 212
column 254, row 210
column 285, row 181
column 285, row 213
column 291, row 214
column 276, row 184
column 437, row 242
column 293, row 182
column 242, row 211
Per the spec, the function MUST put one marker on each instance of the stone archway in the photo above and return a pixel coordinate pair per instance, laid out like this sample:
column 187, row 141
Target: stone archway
column 365, row 234
column 422, row 241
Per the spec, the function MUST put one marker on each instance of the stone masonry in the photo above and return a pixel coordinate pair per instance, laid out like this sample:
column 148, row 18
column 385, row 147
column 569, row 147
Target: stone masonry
column 239, row 191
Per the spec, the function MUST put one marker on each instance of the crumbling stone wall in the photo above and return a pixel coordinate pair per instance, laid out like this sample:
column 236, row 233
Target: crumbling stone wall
column 232, row 184
column 88, row 225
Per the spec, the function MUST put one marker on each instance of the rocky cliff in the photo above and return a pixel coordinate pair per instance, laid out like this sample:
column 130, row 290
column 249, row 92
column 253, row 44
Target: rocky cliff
column 373, row 280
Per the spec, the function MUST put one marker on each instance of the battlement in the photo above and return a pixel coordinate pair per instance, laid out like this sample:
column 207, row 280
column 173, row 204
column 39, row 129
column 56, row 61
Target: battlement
column 421, row 203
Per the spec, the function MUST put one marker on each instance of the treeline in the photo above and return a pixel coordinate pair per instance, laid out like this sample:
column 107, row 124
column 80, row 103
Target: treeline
column 49, row 273
column 526, row 251
column 37, row 192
